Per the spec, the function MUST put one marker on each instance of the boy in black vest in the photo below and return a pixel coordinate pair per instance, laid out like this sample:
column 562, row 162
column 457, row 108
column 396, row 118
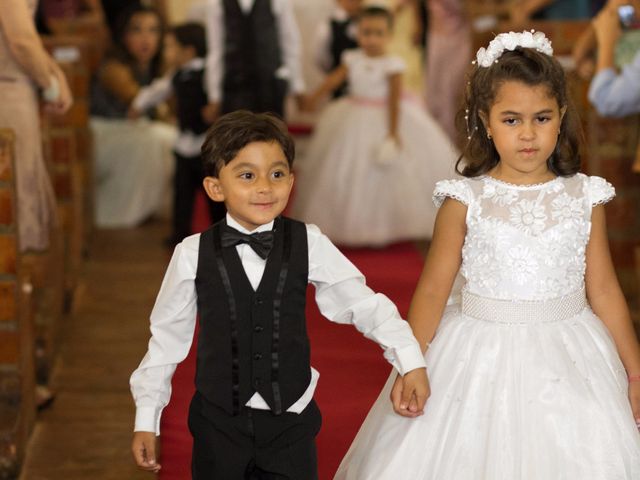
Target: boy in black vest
column 185, row 46
column 334, row 36
column 254, row 57
column 253, row 415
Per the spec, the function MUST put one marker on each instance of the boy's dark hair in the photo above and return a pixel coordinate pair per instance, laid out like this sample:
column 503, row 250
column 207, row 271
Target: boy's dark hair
column 375, row 11
column 234, row 131
column 532, row 68
column 191, row 34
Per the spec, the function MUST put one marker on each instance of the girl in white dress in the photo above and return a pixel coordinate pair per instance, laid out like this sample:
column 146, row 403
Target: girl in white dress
column 535, row 372
column 375, row 156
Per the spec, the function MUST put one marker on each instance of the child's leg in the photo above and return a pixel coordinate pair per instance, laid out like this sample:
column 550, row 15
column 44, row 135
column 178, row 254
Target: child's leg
column 183, row 196
column 223, row 445
column 285, row 444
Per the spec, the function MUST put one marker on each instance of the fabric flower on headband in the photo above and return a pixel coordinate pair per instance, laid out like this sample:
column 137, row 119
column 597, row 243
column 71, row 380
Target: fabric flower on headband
column 509, row 41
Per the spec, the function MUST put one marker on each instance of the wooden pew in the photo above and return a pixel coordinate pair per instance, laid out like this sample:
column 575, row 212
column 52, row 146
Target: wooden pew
column 17, row 372
column 68, row 150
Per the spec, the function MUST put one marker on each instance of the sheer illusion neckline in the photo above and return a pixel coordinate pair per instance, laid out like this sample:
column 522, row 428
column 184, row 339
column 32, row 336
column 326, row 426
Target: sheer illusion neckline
column 525, row 186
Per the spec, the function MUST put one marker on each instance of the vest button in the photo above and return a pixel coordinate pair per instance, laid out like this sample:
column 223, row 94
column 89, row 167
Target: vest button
column 258, row 301
column 257, row 382
column 257, row 356
column 258, row 328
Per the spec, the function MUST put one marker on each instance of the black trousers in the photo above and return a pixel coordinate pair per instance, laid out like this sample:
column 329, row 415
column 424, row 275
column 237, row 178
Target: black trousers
column 186, row 182
column 254, row 445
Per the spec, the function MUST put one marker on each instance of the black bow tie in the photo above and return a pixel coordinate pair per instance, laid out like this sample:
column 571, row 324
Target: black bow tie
column 261, row 242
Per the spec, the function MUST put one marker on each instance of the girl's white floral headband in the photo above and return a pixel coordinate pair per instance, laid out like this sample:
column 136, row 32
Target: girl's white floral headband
column 509, row 41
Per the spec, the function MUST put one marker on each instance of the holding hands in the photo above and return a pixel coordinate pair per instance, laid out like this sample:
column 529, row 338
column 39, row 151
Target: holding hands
column 409, row 393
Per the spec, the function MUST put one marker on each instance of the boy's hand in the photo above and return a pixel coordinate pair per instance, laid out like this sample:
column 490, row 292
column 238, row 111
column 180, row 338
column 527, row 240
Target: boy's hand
column 144, row 451
column 307, row 104
column 410, row 393
column 210, row 112
column 634, row 398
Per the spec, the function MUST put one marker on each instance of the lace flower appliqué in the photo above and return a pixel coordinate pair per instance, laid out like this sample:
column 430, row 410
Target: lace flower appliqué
column 565, row 207
column 528, row 216
column 499, row 194
column 520, row 265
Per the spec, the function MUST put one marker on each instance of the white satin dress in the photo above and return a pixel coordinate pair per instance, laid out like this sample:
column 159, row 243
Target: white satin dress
column 526, row 382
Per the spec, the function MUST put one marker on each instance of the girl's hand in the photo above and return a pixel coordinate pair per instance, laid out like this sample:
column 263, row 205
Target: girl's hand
column 410, row 393
column 397, row 140
column 634, row 398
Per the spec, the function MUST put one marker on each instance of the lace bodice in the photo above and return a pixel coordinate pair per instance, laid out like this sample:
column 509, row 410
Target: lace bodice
column 525, row 242
column 369, row 76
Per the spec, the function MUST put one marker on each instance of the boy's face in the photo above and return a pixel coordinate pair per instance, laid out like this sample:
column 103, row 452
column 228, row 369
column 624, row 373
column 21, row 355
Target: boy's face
column 255, row 185
column 176, row 55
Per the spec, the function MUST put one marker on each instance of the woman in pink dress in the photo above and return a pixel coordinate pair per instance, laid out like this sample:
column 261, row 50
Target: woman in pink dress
column 448, row 56
column 25, row 68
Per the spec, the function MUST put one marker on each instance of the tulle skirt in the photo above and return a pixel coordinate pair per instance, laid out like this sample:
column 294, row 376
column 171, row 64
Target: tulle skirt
column 359, row 199
column 508, row 402
column 134, row 165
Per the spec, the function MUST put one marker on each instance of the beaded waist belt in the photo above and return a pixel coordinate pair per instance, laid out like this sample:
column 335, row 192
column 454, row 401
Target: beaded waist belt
column 523, row 311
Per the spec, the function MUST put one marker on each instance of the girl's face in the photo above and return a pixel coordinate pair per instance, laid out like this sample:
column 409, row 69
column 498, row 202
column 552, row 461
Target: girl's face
column 142, row 37
column 373, row 35
column 524, row 123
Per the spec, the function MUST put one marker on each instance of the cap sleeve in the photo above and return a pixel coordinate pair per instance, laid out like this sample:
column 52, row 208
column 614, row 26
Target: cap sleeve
column 600, row 191
column 395, row 65
column 456, row 189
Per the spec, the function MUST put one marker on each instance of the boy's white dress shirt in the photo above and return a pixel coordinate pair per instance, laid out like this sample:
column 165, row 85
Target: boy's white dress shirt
column 290, row 45
column 341, row 295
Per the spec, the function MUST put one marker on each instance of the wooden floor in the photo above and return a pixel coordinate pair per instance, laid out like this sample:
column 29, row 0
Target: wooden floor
column 86, row 433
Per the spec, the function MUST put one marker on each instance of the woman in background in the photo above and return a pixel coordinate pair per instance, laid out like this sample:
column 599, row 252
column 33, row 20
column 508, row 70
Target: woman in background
column 133, row 157
column 25, row 69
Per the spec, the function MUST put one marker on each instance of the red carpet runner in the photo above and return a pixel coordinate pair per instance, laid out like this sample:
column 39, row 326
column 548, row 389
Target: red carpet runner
column 352, row 369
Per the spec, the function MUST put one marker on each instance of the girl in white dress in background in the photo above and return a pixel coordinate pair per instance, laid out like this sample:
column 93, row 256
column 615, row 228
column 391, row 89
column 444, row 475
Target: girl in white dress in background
column 535, row 373
column 375, row 156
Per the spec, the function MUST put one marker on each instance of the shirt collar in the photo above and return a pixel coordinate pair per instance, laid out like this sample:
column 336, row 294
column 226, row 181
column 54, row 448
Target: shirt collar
column 233, row 223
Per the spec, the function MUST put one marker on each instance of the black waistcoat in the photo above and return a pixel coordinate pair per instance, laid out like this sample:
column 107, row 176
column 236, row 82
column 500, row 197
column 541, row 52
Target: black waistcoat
column 251, row 45
column 191, row 97
column 340, row 41
column 253, row 341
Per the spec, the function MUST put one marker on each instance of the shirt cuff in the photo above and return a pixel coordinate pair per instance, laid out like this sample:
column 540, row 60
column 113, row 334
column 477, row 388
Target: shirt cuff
column 406, row 359
column 147, row 419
